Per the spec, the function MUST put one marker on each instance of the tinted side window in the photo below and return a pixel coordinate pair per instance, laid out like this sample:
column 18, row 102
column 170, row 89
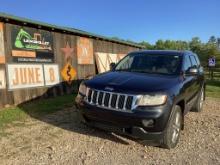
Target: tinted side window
column 197, row 59
column 187, row 63
column 126, row 65
column 193, row 61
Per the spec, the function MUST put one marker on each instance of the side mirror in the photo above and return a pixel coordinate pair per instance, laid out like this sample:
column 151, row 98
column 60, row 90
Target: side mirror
column 193, row 71
column 112, row 66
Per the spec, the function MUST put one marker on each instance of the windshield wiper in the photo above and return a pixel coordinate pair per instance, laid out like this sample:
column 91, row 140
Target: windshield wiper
column 141, row 71
column 125, row 70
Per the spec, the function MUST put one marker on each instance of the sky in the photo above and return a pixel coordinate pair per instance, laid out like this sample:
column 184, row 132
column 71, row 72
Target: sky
column 136, row 20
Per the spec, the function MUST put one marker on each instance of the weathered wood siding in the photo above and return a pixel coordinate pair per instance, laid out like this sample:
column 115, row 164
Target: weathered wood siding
column 59, row 41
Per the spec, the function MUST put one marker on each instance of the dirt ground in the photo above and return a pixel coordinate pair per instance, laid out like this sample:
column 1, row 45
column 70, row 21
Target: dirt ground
column 60, row 139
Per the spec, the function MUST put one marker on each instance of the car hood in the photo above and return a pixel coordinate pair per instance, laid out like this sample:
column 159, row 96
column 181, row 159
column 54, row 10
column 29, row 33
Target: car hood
column 132, row 82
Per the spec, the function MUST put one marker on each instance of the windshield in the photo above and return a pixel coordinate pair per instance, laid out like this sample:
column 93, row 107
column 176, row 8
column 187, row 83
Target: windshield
column 152, row 64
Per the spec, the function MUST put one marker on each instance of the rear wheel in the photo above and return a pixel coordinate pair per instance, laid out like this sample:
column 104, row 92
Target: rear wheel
column 172, row 131
column 199, row 102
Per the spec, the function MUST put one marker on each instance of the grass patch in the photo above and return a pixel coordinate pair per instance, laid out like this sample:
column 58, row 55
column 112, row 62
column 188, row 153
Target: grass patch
column 46, row 106
column 39, row 107
column 213, row 88
column 10, row 115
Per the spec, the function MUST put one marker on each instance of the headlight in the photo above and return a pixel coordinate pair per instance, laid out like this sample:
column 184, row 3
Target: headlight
column 89, row 77
column 82, row 89
column 150, row 100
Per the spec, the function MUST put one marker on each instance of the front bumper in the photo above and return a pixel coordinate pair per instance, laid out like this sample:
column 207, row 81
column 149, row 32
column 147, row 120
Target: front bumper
column 129, row 123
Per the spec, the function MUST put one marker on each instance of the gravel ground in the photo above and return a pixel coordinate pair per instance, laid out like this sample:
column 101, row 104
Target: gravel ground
column 60, row 139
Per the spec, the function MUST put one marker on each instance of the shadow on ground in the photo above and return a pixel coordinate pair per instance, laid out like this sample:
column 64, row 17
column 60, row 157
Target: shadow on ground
column 67, row 118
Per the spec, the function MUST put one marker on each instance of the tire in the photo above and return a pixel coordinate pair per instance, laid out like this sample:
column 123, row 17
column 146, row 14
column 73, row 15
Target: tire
column 81, row 119
column 199, row 101
column 172, row 132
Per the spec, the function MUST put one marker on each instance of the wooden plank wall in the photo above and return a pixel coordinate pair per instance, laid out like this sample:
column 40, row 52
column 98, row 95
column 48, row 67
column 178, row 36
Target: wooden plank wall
column 59, row 41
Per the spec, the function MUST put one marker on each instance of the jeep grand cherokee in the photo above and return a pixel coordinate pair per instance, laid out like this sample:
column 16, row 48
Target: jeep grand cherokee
column 146, row 95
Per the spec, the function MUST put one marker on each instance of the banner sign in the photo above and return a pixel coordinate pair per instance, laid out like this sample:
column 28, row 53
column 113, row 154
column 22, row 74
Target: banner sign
column 103, row 60
column 32, row 75
column 32, row 45
column 85, row 51
column 51, row 74
column 2, row 48
column 2, row 78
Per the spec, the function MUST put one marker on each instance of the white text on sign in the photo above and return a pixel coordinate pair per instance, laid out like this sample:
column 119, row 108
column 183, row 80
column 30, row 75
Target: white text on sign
column 51, row 73
column 32, row 75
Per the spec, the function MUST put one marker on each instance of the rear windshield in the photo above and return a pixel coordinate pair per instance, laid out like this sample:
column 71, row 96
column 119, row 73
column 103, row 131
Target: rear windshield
column 152, row 64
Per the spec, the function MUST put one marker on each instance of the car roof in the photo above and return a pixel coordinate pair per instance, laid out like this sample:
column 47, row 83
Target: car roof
column 163, row 52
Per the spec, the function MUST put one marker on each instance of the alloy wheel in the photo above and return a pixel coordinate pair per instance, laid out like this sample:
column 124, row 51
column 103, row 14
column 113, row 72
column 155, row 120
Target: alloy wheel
column 176, row 128
column 201, row 99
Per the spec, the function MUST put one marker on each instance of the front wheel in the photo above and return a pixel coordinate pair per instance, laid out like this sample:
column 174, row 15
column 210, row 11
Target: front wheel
column 172, row 131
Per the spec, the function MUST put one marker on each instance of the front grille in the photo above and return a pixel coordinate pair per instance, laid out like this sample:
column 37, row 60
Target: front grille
column 121, row 101
column 110, row 100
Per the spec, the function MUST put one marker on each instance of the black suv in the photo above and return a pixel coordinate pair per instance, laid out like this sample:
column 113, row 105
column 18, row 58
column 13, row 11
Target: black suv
column 145, row 95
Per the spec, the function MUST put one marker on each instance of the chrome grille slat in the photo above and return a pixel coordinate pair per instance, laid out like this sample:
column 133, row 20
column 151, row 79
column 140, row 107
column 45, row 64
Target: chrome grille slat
column 87, row 92
column 97, row 98
column 125, row 101
column 117, row 101
column 91, row 96
column 103, row 99
column 111, row 100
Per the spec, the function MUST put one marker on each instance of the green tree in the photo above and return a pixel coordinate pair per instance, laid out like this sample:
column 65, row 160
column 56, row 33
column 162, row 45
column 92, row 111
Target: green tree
column 212, row 40
column 147, row 45
column 204, row 50
column 195, row 44
column 160, row 45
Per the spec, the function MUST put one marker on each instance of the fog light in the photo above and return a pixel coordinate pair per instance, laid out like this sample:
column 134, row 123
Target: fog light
column 148, row 123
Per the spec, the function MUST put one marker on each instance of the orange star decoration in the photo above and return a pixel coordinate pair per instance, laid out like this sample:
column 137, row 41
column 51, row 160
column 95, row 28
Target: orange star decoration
column 68, row 73
column 68, row 52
